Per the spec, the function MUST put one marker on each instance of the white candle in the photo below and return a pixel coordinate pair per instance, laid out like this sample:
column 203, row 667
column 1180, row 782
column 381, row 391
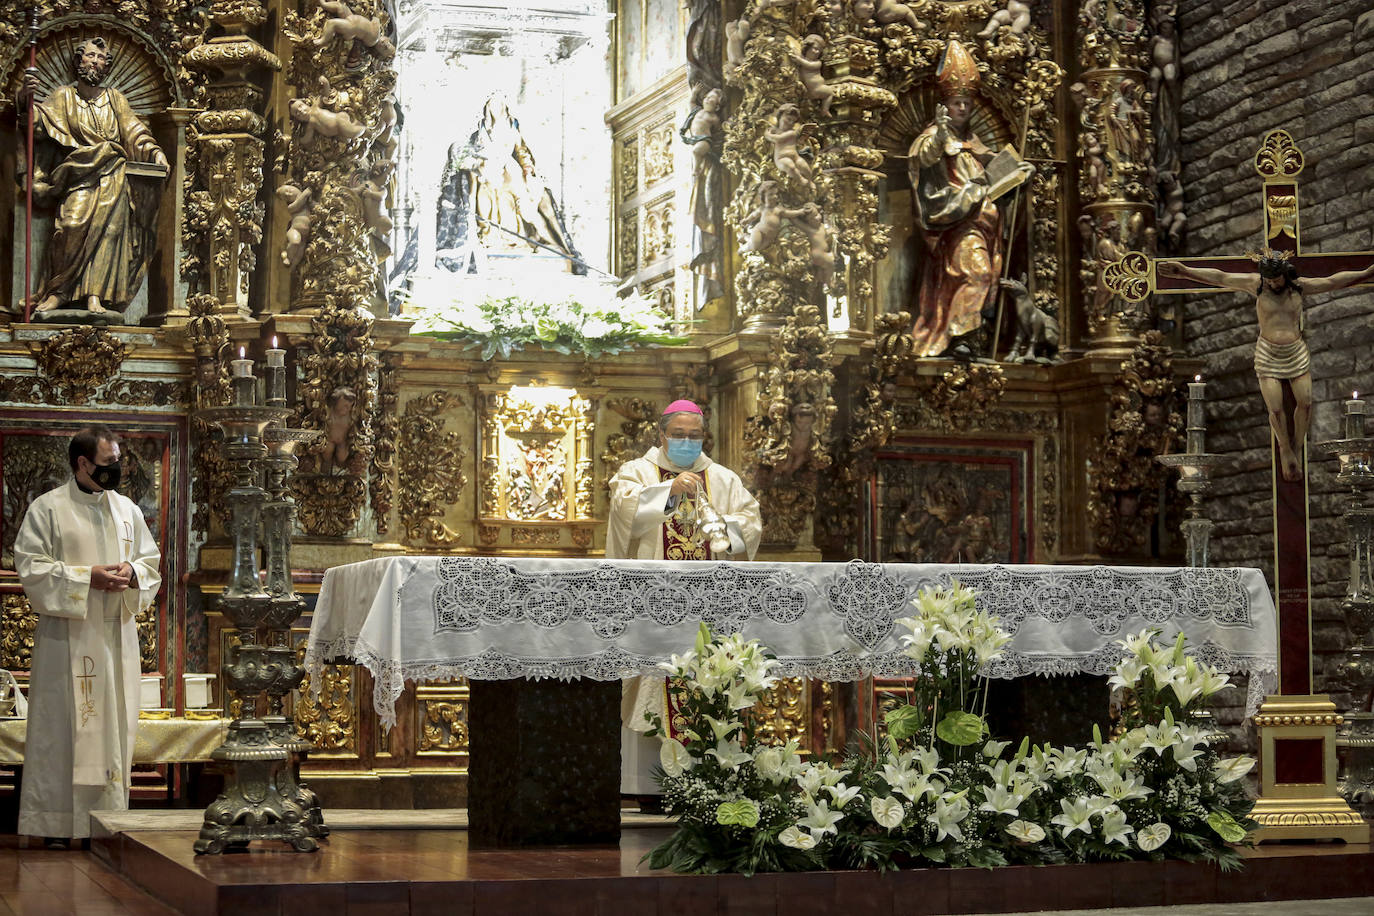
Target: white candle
column 1197, row 391
column 276, row 358
column 1354, row 417
column 243, row 367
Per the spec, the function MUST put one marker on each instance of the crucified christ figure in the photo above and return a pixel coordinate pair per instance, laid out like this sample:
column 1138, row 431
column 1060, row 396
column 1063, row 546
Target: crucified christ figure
column 1280, row 352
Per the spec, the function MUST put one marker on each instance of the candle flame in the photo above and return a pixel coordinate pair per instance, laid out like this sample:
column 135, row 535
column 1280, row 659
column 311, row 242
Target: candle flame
column 241, row 353
column 1197, row 378
column 1354, row 395
column 274, row 342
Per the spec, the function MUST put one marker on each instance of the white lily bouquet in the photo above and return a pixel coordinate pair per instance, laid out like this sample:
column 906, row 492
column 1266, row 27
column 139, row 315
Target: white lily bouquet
column 936, row 788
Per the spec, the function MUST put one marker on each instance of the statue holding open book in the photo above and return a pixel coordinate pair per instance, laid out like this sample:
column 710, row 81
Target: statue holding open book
column 956, row 181
column 99, row 167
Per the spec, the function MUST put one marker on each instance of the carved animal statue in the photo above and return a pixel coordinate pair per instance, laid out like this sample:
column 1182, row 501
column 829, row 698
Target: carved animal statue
column 348, row 25
column 1037, row 334
column 323, row 122
column 298, row 232
column 1017, row 15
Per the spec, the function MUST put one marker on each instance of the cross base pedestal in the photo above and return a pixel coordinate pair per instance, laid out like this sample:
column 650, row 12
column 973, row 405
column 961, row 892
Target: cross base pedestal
column 1299, row 799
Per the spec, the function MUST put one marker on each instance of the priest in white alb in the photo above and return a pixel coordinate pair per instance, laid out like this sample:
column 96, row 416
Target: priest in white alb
column 88, row 564
column 654, row 500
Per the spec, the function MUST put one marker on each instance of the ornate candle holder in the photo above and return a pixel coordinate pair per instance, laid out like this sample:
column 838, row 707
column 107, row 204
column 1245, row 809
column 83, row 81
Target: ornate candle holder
column 1195, row 481
column 262, row 798
column 1355, row 673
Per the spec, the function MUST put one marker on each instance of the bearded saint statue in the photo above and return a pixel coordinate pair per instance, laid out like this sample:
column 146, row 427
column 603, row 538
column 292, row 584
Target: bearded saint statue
column 86, row 136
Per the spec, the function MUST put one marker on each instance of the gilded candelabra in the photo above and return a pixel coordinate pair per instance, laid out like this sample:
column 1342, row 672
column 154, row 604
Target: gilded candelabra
column 1355, row 672
column 1195, row 467
column 263, row 797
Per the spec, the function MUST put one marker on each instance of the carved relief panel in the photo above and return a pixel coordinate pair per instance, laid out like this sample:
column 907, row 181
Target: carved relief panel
column 535, row 470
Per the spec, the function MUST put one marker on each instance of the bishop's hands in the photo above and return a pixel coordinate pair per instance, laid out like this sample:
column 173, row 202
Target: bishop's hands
column 114, row 577
column 686, row 484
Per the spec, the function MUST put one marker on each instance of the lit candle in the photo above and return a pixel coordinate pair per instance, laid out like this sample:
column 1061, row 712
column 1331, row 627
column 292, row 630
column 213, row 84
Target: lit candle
column 276, row 376
column 1354, row 417
column 1197, row 391
column 245, row 386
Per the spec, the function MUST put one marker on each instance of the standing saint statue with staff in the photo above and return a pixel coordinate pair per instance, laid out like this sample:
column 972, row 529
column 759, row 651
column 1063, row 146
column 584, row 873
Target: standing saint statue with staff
column 89, row 144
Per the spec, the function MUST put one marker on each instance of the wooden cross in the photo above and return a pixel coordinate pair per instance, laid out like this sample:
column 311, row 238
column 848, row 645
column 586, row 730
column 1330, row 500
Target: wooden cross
column 1135, row 277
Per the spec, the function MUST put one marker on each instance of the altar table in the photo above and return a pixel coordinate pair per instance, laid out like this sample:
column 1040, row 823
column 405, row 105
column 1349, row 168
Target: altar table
column 487, row 618
column 545, row 756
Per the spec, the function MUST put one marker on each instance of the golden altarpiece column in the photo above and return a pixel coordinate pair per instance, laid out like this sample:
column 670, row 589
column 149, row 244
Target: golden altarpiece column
column 775, row 171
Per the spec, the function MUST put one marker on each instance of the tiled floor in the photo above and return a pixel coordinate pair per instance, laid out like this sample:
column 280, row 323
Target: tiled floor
column 44, row 882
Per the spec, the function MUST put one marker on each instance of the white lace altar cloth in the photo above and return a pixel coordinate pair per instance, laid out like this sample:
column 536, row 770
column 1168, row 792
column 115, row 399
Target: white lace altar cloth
column 489, row 618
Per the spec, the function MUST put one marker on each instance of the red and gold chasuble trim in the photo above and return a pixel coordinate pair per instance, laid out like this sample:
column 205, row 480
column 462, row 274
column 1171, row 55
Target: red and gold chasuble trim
column 678, row 543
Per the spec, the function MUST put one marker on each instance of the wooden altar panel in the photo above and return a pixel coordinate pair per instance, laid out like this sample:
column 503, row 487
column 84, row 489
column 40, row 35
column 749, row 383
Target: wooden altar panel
column 943, row 501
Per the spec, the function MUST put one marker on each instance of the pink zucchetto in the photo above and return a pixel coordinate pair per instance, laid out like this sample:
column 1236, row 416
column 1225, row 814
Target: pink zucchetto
column 683, row 406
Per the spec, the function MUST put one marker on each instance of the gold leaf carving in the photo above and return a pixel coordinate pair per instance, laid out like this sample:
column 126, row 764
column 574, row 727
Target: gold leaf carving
column 78, row 361
column 330, row 722
column 443, row 726
column 430, row 468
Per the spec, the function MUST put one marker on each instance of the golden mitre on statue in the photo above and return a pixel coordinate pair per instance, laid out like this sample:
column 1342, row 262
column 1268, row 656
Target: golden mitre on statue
column 958, row 72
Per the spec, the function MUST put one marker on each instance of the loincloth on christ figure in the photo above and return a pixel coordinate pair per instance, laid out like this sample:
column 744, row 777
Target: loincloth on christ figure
column 1289, row 360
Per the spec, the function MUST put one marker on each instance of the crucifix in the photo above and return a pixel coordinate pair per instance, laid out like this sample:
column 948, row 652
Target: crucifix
column 1278, row 277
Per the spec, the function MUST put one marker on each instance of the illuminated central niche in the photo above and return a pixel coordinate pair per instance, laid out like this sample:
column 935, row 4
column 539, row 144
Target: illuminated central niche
column 503, row 182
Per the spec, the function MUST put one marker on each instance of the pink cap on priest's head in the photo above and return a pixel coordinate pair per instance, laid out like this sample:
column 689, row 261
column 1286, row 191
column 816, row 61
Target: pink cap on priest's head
column 683, row 406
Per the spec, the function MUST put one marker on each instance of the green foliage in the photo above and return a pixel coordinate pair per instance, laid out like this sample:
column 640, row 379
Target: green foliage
column 503, row 325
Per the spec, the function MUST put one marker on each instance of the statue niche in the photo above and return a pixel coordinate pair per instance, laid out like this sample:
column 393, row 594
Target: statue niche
column 949, row 191
column 494, row 207
column 99, row 171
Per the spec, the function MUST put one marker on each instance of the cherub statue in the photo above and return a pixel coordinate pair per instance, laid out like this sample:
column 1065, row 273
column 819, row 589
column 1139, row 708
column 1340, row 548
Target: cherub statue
column 1037, row 333
column 889, row 11
column 784, row 136
column 1173, row 222
column 348, row 25
column 1017, row 15
column 298, row 204
column 323, row 122
column 809, row 71
column 766, row 218
column 736, row 36
column 372, row 196
column 811, row 222
column 1094, row 165
column 336, row 426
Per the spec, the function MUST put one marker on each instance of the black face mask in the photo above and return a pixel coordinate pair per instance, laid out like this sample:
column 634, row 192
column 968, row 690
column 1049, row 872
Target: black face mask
column 106, row 476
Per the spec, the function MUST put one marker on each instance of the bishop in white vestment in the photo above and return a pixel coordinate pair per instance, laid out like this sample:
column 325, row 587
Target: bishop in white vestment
column 650, row 497
column 88, row 564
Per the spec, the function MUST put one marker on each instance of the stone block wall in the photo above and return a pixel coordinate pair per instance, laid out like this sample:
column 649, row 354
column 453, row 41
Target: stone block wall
column 1250, row 66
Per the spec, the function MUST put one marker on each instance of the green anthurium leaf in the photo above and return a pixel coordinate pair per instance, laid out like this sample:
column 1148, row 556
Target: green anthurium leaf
column 960, row 728
column 904, row 721
column 1226, row 827
column 742, row 812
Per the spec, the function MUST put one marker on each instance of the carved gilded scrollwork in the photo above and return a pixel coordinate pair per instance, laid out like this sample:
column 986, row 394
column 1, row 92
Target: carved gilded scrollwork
column 382, row 468
column 1144, row 421
column 638, row 433
column 964, row 394
column 208, row 335
column 443, row 725
column 627, row 244
column 525, row 536
column 16, row 635
column 330, row 722
column 430, row 468
column 658, row 153
column 338, row 397
column 78, row 361
column 339, row 156
column 783, row 712
column 629, row 168
column 1279, row 157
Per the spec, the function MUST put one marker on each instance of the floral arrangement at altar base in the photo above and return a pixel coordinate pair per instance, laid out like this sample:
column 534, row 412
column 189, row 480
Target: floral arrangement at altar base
column 592, row 323
column 937, row 789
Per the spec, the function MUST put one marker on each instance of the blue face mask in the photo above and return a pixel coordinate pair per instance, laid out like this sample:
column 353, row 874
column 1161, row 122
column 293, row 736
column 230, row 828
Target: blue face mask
column 684, row 452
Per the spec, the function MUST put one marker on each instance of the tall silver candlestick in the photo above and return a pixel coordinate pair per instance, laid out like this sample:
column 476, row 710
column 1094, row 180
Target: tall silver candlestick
column 1195, row 468
column 1355, row 673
